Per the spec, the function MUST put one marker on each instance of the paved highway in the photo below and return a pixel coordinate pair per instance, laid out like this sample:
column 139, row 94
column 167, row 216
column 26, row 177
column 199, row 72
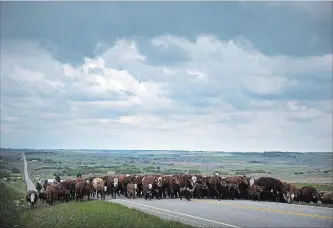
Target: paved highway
column 29, row 183
column 233, row 213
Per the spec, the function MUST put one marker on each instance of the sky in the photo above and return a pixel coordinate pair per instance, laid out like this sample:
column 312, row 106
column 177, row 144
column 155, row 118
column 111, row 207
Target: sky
column 218, row 76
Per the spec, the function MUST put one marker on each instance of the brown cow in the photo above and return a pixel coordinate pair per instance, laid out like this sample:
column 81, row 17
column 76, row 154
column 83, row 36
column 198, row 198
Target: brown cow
column 187, row 183
column 52, row 194
column 242, row 183
column 83, row 188
column 170, row 183
column 270, row 183
column 307, row 194
column 150, row 184
column 327, row 198
column 216, row 187
column 62, row 192
column 70, row 186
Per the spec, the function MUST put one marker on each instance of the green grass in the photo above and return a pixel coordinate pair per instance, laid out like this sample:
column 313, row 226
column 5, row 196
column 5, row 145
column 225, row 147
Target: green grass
column 93, row 213
column 319, row 187
column 9, row 214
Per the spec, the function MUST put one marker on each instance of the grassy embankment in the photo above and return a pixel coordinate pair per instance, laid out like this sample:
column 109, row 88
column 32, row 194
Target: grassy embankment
column 93, row 213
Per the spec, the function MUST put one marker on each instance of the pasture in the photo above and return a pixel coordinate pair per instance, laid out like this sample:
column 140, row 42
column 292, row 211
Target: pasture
column 300, row 168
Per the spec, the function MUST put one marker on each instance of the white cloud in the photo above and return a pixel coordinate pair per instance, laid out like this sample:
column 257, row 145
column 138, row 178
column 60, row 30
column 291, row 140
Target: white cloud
column 225, row 95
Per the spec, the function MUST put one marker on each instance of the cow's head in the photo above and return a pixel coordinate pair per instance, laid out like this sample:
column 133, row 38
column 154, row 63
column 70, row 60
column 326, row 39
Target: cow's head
column 159, row 181
column 115, row 182
column 243, row 180
column 175, row 180
column 32, row 197
column 193, row 180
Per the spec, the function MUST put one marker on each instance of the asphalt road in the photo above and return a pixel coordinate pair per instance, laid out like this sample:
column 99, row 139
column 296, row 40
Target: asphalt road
column 29, row 183
column 233, row 213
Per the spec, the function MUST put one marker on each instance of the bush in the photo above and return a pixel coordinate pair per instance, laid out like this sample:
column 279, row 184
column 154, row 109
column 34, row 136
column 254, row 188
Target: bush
column 15, row 170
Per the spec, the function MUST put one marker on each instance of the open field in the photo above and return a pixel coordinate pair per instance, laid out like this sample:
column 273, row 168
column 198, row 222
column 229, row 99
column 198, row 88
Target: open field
column 315, row 168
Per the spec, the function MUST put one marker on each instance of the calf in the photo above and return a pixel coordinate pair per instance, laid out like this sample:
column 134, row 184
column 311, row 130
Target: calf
column 255, row 192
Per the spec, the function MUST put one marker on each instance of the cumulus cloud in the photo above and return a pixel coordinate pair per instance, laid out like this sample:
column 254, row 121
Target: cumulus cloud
column 225, row 95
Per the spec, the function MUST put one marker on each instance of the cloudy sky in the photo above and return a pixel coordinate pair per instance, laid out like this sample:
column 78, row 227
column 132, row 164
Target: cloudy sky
column 196, row 76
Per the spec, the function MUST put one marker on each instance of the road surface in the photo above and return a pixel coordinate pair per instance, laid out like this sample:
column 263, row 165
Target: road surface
column 233, row 213
column 29, row 183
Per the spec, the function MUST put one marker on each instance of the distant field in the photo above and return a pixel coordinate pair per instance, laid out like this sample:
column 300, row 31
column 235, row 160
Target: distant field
column 291, row 167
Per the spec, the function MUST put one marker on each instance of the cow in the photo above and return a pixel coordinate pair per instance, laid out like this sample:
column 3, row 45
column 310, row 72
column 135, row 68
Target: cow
column 255, row 192
column 270, row 183
column 242, row 186
column 151, row 184
column 187, row 183
column 70, row 186
column 112, row 184
column 52, row 194
column 31, row 198
column 42, row 196
column 104, row 192
column 326, row 198
column 291, row 190
column 198, row 191
column 216, row 187
column 98, row 185
column 234, row 191
column 62, row 193
column 83, row 188
column 307, row 194
column 131, row 189
column 170, row 183
column 138, row 181
column 267, row 196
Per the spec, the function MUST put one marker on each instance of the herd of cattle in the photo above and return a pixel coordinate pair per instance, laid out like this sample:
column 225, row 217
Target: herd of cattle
column 179, row 186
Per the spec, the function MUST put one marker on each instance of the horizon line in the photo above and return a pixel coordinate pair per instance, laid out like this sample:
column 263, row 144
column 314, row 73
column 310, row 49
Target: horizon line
column 178, row 150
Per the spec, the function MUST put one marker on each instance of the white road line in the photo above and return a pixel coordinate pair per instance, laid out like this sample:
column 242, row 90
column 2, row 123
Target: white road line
column 191, row 216
column 152, row 211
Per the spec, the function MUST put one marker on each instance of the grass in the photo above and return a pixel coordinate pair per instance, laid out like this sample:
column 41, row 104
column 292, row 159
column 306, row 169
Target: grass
column 94, row 213
column 9, row 213
column 319, row 187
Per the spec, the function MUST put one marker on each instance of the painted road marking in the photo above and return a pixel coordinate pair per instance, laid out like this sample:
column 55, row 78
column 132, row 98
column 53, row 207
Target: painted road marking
column 191, row 216
column 266, row 209
column 158, row 212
